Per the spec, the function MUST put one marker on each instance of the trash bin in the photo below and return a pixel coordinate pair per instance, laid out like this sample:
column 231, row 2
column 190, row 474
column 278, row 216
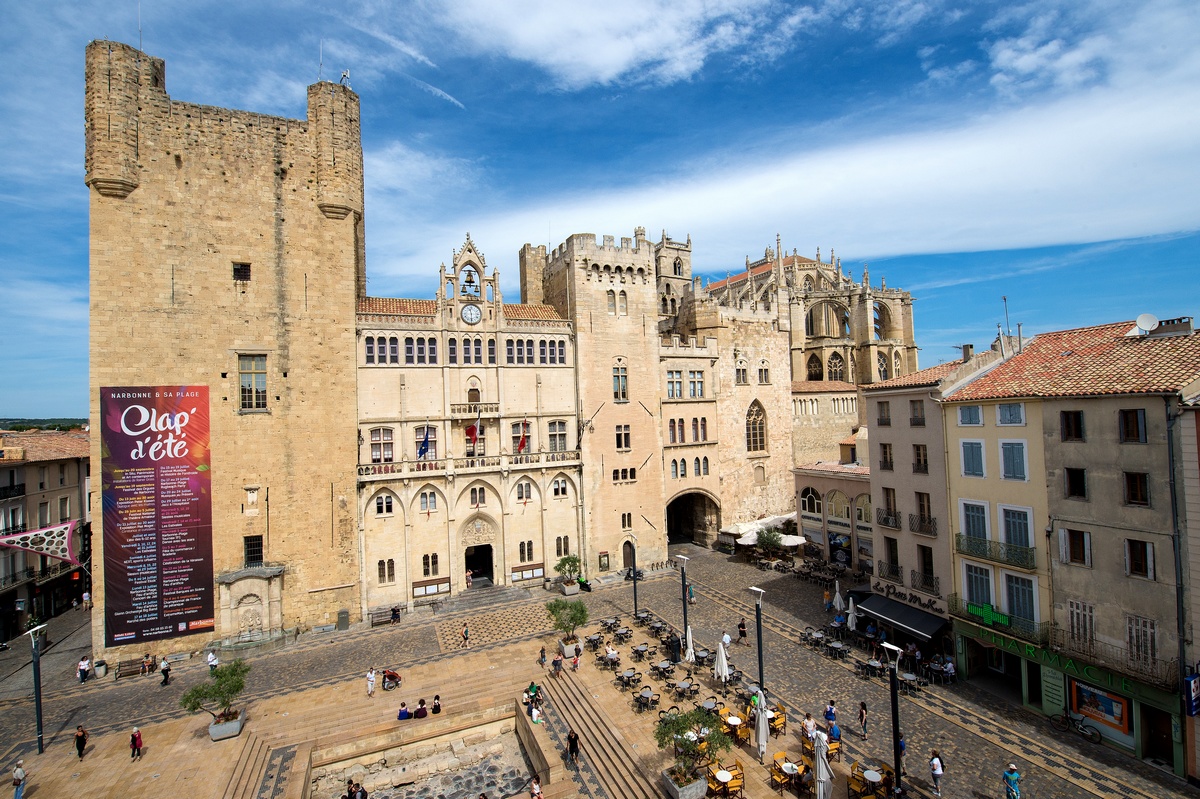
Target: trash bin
column 343, row 622
column 101, row 667
column 674, row 646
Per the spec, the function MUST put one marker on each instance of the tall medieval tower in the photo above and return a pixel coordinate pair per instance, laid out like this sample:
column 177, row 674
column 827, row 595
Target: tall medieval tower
column 226, row 251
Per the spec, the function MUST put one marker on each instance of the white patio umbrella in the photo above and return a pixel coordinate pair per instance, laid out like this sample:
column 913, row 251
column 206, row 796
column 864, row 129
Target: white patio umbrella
column 762, row 728
column 721, row 667
column 689, row 656
column 839, row 604
column 791, row 540
column 852, row 616
column 824, row 775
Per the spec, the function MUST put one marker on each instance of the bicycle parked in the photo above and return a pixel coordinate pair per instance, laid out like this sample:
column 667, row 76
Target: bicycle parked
column 1068, row 721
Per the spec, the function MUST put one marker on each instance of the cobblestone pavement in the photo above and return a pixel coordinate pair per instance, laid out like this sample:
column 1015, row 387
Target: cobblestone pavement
column 977, row 732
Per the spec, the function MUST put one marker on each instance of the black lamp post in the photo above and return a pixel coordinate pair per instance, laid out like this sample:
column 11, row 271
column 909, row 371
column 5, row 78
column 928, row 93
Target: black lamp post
column 635, row 602
column 35, row 639
column 683, row 559
column 894, row 681
column 758, row 623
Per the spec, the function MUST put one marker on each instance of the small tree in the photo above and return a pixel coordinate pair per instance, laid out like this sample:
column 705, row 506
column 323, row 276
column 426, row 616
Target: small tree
column 771, row 540
column 569, row 568
column 223, row 688
column 692, row 736
column 566, row 616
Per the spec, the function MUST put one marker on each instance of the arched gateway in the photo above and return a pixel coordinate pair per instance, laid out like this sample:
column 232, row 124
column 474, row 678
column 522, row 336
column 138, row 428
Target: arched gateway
column 693, row 517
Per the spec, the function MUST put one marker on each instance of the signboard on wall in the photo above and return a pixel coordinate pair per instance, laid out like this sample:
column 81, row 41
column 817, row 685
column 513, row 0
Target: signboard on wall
column 1109, row 709
column 157, row 500
column 1191, row 694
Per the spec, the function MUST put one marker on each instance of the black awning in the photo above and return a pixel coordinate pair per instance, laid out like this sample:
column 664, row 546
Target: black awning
column 909, row 619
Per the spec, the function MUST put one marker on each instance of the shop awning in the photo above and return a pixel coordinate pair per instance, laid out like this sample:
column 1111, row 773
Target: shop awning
column 912, row 620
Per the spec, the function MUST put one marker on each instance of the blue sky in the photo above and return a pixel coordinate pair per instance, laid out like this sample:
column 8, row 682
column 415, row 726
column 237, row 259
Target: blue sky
column 1047, row 152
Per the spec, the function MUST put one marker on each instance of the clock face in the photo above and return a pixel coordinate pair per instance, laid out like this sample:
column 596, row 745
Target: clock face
column 471, row 314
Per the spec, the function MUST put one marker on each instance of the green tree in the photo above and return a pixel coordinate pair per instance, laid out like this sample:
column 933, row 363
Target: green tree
column 692, row 736
column 569, row 568
column 566, row 616
column 771, row 540
column 221, row 690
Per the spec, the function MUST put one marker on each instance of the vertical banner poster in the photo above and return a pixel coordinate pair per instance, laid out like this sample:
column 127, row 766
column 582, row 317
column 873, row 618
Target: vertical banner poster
column 157, row 498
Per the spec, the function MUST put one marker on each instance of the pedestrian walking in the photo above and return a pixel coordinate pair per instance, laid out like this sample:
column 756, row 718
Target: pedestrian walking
column 371, row 683
column 691, row 594
column 742, row 639
column 725, row 639
column 135, row 744
column 19, row 778
column 903, row 753
column 558, row 661
column 830, row 713
column 862, row 718
column 542, row 657
column 212, row 661
column 81, row 737
column 466, row 637
column 936, row 769
column 1012, row 782
column 165, row 668
column 573, row 747
column 85, row 665
column 87, row 600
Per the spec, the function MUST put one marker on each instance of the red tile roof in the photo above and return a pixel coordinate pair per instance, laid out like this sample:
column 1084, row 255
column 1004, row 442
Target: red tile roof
column 1089, row 361
column 821, row 386
column 531, row 312
column 835, row 468
column 923, row 377
column 395, row 306
column 49, row 445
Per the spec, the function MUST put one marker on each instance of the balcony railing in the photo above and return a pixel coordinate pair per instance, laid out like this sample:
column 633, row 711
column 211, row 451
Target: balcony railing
column 16, row 528
column 1164, row 673
column 8, row 492
column 989, row 616
column 997, row 551
column 470, row 409
column 888, row 518
column 54, row 570
column 889, row 571
column 925, row 525
column 916, row 421
column 926, row 583
column 887, row 466
column 384, row 471
column 19, row 576
column 920, row 468
column 884, row 421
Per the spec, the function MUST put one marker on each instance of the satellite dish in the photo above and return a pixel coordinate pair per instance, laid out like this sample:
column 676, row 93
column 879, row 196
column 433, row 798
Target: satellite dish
column 1147, row 322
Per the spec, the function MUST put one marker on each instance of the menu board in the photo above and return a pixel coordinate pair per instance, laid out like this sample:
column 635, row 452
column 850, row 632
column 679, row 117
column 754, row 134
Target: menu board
column 157, row 499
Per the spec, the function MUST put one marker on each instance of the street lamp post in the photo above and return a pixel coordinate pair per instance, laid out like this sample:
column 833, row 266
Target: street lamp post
column 894, row 681
column 683, row 559
column 762, row 683
column 635, row 602
column 34, row 640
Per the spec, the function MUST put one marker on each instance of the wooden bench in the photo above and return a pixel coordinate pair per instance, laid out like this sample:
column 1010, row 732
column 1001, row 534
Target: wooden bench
column 128, row 668
column 431, row 602
column 378, row 618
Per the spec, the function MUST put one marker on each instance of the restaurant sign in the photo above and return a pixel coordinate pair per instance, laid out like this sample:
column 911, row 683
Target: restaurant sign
column 891, row 591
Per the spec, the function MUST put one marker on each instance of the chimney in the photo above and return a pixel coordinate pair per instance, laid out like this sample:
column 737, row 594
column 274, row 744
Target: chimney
column 968, row 350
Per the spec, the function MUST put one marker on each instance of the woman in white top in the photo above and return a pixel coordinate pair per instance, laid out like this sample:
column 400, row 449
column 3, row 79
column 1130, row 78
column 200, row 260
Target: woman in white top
column 936, row 769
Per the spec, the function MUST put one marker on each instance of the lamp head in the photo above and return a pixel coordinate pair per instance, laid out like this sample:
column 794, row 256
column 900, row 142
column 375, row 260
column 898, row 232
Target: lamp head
column 758, row 597
column 684, row 558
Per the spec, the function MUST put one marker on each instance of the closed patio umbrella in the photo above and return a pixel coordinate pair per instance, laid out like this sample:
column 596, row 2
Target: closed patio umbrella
column 721, row 666
column 762, row 728
column 824, row 774
column 839, row 604
column 852, row 616
column 689, row 654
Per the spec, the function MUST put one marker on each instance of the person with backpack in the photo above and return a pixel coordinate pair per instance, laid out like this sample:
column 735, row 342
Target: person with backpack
column 937, row 767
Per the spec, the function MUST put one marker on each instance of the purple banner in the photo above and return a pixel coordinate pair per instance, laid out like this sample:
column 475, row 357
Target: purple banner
column 157, row 498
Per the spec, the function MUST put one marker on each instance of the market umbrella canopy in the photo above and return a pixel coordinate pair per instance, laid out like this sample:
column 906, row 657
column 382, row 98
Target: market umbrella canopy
column 824, row 774
column 689, row 655
column 852, row 616
column 721, row 667
column 839, row 604
column 762, row 728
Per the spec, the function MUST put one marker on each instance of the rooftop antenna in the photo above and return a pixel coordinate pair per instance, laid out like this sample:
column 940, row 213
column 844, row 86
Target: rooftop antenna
column 1007, row 324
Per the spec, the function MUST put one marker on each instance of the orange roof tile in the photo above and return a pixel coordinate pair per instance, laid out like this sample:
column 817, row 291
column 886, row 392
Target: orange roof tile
column 836, row 468
column 531, row 312
column 397, row 306
column 49, row 445
column 923, row 377
column 1089, row 361
column 821, row 386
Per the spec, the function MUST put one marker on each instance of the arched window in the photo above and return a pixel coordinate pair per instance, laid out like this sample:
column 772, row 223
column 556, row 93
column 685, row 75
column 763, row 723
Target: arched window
column 704, row 428
column 612, row 302
column 815, row 372
column 764, row 373
column 837, row 367
column 696, row 468
column 478, row 350
column 695, row 429
column 678, row 267
column 881, row 360
column 562, row 351
column 410, row 350
column 862, row 509
column 387, row 571
column 896, row 364
column 671, row 429
column 882, row 321
column 622, row 304
column 452, row 350
column 383, row 504
column 756, row 428
column 810, row 501
column 664, row 310
column 428, row 501
column 370, row 349
column 491, row 350
column 808, row 284
column 478, row 496
column 839, row 505
column 704, row 465
column 472, row 395
column 672, row 307
column 674, row 468
column 426, row 441
column 381, row 445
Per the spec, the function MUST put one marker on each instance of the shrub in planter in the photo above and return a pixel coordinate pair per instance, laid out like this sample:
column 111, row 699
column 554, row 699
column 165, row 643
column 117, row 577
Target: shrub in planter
column 217, row 695
column 694, row 737
column 566, row 616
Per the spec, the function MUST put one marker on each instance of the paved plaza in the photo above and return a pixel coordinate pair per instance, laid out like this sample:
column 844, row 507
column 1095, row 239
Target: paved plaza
column 291, row 692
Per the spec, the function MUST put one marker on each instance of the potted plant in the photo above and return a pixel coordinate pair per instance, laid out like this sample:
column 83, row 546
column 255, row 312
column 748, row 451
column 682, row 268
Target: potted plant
column 771, row 541
column 694, row 737
column 569, row 568
column 566, row 616
column 221, row 690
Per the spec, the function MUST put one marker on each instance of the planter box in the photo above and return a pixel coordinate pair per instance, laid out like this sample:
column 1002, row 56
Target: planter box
column 568, row 650
column 570, row 589
column 227, row 729
column 695, row 790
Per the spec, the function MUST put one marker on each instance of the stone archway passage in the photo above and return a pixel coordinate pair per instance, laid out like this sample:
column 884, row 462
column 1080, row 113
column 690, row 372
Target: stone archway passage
column 693, row 518
column 480, row 561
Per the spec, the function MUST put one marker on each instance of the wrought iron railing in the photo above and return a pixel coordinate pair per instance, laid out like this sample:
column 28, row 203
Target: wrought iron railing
column 997, row 551
column 916, row 421
column 884, row 421
column 888, row 518
column 989, row 616
column 925, row 525
column 887, row 466
column 1161, row 672
column 926, row 583
column 920, row 468
column 8, row 492
column 889, row 571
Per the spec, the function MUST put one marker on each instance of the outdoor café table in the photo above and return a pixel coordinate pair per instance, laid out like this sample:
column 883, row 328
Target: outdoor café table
column 910, row 681
column 770, row 715
column 709, row 704
column 875, row 665
column 752, row 690
column 643, row 648
column 627, row 675
column 701, row 654
column 656, row 625
column 609, row 623
column 594, row 641
column 837, row 648
column 817, row 635
column 872, row 777
column 790, row 769
column 723, row 776
column 613, row 658
column 682, row 686
column 664, row 666
column 623, row 632
column 733, row 720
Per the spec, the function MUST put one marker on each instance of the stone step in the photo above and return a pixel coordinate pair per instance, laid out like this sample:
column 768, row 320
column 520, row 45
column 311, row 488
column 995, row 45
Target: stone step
column 611, row 758
column 252, row 761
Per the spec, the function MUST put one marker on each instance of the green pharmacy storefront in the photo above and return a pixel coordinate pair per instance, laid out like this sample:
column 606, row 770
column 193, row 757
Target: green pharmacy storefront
column 1140, row 718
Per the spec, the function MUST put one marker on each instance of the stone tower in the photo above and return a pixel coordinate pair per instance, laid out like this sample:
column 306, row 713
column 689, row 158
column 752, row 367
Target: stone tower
column 226, row 251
